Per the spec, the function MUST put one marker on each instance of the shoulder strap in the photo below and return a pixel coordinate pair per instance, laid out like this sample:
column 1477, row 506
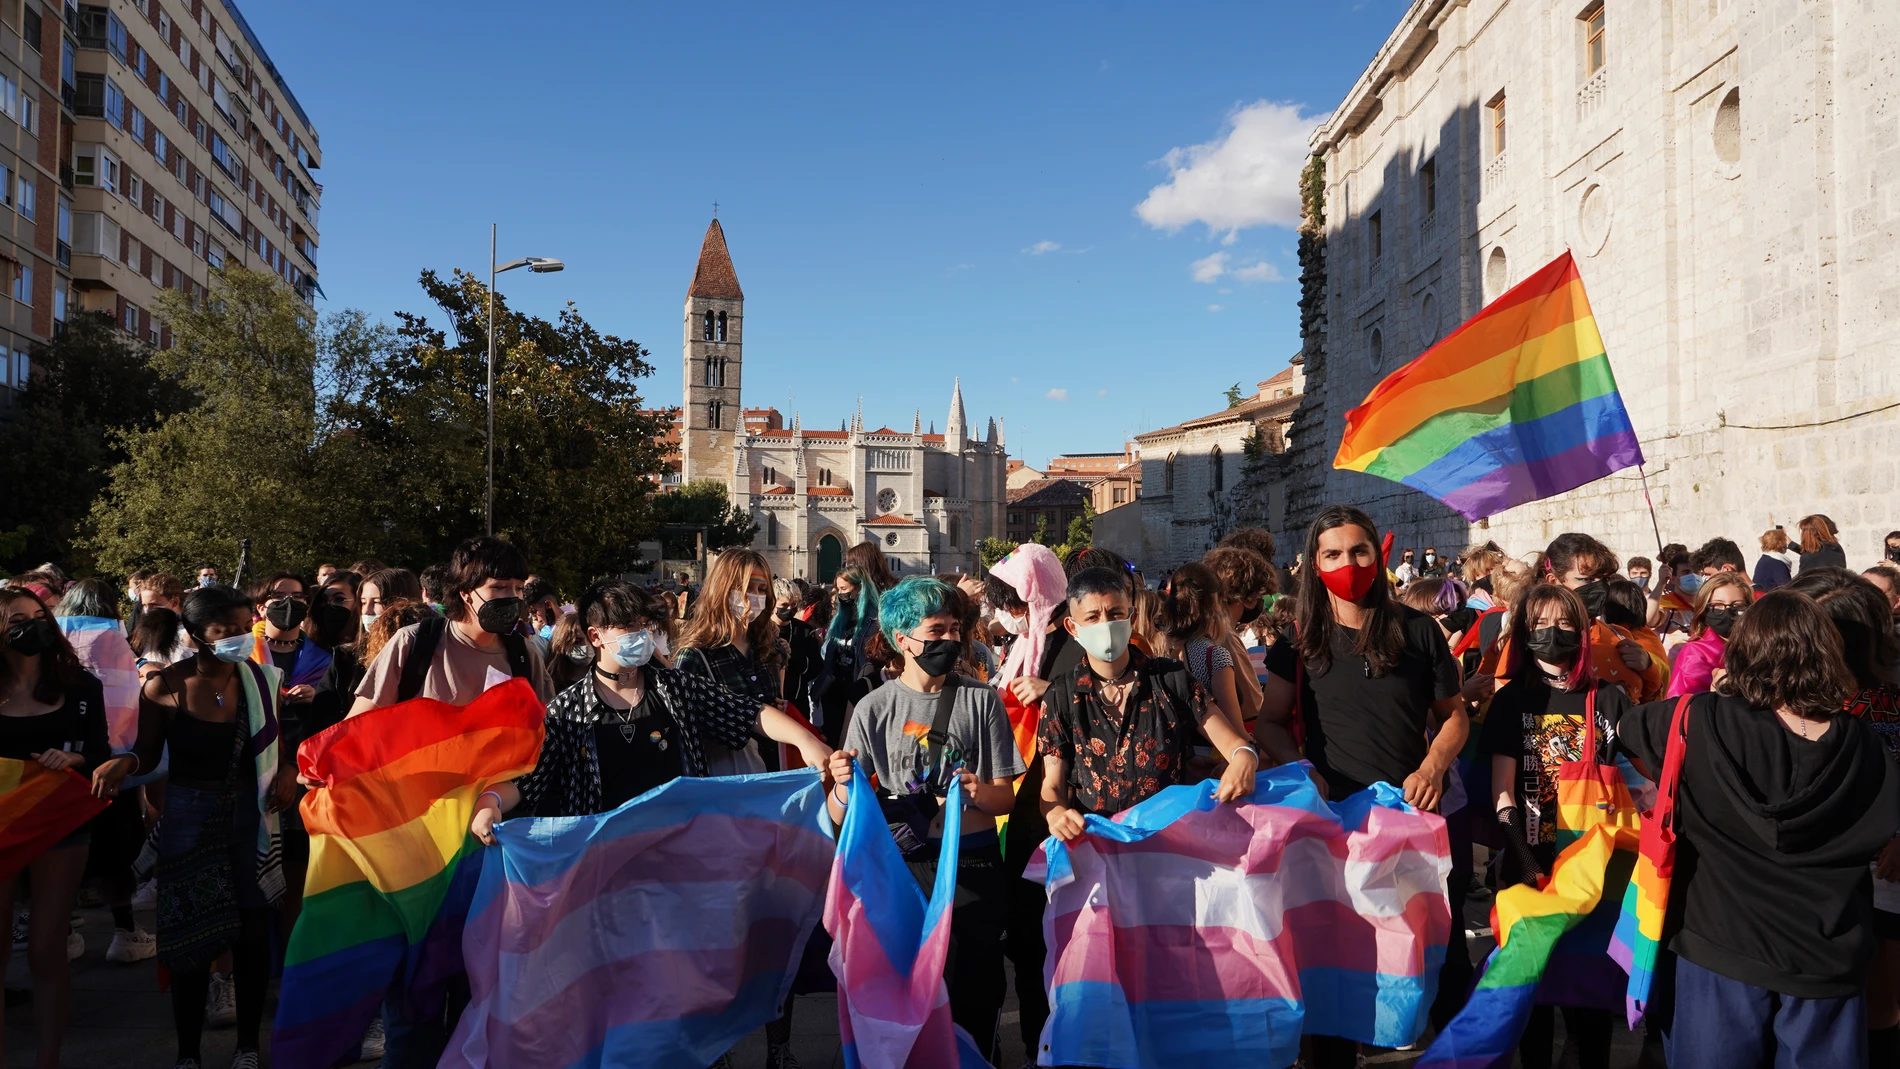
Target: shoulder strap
column 946, row 702
column 1590, row 722
column 517, row 648
column 1673, row 754
column 415, row 669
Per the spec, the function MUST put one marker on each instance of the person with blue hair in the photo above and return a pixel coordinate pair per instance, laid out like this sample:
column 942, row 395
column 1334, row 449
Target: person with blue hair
column 850, row 672
column 920, row 736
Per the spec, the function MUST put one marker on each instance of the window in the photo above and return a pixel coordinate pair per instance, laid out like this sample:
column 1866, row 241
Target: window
column 131, row 318
column 226, row 212
column 160, row 147
column 23, row 286
column 1121, row 495
column 721, row 330
column 1375, row 236
column 226, row 159
column 165, row 28
column 1428, row 186
column 89, row 96
column 9, row 97
column 164, row 88
column 1167, row 475
column 65, row 220
column 6, row 186
column 214, row 255
column 29, row 112
column 824, row 476
column 1217, row 470
column 713, row 414
column 136, row 124
column 115, row 104
column 28, row 194
column 706, row 332
column 59, row 304
column 116, row 40
column 158, row 210
column 1593, row 41
column 22, row 367
column 30, row 27
column 137, row 62
column 1497, row 125
column 135, row 190
column 771, row 529
column 1375, row 347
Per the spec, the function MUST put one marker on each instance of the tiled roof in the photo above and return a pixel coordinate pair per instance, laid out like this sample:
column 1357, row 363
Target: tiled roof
column 715, row 277
column 1255, row 409
column 827, row 491
column 838, row 435
column 1050, row 493
column 776, row 490
column 928, row 492
column 891, row 521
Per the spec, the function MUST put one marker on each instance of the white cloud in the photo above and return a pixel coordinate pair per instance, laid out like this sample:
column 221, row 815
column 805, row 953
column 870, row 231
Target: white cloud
column 1259, row 272
column 1213, row 307
column 1248, row 176
column 1210, row 267
column 1057, row 395
column 1041, row 247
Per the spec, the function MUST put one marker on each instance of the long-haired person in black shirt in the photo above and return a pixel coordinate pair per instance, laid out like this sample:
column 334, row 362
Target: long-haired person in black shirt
column 1376, row 689
column 1783, row 804
column 52, row 712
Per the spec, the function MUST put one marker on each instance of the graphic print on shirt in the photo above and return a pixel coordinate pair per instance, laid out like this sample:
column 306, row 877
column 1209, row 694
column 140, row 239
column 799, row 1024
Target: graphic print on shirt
column 926, row 769
column 1550, row 739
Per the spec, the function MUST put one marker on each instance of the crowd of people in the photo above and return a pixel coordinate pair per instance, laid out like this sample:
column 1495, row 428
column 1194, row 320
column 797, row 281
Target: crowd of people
column 1045, row 690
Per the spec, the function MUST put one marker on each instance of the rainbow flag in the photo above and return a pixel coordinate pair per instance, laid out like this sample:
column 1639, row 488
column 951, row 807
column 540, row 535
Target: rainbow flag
column 656, row 935
column 1188, row 933
column 889, row 945
column 1638, row 936
column 39, row 807
column 1530, row 923
column 392, row 865
column 1516, row 405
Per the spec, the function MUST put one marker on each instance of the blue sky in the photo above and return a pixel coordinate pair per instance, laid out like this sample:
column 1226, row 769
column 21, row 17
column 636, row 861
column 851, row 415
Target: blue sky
column 1079, row 208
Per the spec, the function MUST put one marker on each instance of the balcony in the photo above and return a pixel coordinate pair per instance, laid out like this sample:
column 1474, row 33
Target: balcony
column 1590, row 95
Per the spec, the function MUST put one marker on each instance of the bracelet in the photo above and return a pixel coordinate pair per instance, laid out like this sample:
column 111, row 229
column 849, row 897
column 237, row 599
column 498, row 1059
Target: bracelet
column 1247, row 747
column 841, row 804
column 485, row 794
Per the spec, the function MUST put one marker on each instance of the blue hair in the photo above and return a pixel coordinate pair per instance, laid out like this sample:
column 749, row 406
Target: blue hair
column 910, row 603
column 854, row 618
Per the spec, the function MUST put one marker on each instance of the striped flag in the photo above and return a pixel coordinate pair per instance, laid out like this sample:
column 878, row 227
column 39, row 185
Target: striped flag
column 392, row 864
column 889, row 945
column 39, row 807
column 1516, row 405
column 1530, row 924
column 101, row 645
column 656, row 935
column 1187, row 933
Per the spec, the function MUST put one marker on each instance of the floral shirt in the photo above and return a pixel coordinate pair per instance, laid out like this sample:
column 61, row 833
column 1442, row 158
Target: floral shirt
column 1119, row 759
column 1880, row 707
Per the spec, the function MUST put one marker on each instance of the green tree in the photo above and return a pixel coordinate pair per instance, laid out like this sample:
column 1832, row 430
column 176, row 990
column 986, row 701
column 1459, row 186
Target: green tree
column 89, row 383
column 701, row 503
column 1041, row 535
column 241, row 461
column 1081, row 534
column 1235, row 396
column 992, row 550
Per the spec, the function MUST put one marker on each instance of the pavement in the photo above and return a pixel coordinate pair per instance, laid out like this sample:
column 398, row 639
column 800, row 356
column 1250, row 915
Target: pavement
column 120, row 1018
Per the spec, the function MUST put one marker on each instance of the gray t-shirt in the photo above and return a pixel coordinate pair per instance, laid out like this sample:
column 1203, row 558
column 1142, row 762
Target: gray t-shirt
column 888, row 729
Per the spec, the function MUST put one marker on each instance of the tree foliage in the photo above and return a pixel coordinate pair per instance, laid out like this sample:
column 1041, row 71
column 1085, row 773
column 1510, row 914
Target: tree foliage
column 702, row 503
column 59, row 442
column 1081, row 533
column 1235, row 396
column 992, row 550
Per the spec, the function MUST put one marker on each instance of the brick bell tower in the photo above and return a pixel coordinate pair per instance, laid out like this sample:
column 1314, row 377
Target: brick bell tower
column 710, row 414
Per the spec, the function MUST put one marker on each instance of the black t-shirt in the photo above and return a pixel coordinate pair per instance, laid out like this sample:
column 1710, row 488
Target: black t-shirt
column 1363, row 729
column 1541, row 727
column 1774, row 837
column 78, row 725
column 636, row 756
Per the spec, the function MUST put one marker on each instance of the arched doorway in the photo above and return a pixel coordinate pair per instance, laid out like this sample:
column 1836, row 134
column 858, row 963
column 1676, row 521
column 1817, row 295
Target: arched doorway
column 830, row 558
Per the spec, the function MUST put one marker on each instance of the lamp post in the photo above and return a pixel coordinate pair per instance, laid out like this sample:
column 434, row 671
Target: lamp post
column 539, row 265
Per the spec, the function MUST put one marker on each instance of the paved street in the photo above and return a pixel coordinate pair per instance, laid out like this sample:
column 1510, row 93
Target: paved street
column 121, row 1020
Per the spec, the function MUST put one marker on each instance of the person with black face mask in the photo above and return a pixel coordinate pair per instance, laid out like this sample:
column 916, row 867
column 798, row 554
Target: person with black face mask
column 1538, row 721
column 924, row 734
column 1719, row 605
column 1585, row 565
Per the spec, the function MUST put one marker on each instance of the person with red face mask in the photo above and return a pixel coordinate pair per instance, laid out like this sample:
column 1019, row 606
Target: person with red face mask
column 1376, row 688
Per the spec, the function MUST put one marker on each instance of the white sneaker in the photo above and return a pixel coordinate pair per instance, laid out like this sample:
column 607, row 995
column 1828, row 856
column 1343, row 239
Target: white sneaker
column 75, row 946
column 135, row 945
column 373, row 1041
column 146, row 897
column 221, row 1002
column 244, row 1059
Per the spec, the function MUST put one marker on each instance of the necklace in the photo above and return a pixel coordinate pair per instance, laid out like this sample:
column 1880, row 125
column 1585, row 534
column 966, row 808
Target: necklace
column 623, row 718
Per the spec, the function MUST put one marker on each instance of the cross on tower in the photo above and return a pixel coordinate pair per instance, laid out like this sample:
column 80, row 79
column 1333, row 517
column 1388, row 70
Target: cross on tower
column 715, row 209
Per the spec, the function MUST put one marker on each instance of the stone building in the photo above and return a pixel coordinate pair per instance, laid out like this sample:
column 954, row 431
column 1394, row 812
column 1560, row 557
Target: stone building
column 926, row 498
column 1727, row 175
column 1113, row 479
column 1047, row 505
column 1199, row 482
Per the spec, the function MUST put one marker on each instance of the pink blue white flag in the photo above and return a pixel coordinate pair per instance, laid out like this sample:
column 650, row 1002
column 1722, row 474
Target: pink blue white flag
column 1186, row 932
column 102, row 648
column 657, row 935
column 889, row 945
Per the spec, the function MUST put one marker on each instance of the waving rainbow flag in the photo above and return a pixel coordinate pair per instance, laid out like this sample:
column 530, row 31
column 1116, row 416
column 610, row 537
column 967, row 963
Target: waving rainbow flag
column 39, row 807
column 889, row 945
column 1516, row 405
column 392, row 864
column 1530, row 923
column 656, row 935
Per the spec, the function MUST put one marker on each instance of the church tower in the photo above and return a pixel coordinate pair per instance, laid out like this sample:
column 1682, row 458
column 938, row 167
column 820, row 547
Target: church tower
column 710, row 415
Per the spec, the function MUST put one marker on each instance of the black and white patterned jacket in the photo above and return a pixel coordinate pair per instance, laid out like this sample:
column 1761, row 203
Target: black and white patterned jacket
column 567, row 775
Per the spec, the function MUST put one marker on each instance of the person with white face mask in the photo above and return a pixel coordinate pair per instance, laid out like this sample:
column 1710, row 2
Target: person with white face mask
column 1121, row 725
column 733, row 640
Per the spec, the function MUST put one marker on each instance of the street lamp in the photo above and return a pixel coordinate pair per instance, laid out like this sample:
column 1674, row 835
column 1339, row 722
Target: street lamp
column 540, row 265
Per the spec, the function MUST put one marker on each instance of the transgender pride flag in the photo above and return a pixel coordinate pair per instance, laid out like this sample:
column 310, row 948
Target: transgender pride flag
column 1186, row 933
column 657, row 935
column 889, row 945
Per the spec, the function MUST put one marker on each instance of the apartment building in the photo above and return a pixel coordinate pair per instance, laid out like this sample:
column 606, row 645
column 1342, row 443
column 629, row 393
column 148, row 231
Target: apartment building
column 33, row 281
column 184, row 150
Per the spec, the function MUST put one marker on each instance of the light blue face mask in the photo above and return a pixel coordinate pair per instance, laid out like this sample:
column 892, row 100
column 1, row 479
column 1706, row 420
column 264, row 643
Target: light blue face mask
column 546, row 632
column 235, row 649
column 1690, row 583
column 633, row 649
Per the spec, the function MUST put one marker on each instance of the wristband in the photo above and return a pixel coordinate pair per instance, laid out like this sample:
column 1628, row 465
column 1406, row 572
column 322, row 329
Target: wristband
column 485, row 794
column 845, row 801
column 1247, row 747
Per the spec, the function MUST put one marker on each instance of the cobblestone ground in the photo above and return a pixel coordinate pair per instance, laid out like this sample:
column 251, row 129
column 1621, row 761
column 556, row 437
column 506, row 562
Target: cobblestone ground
column 121, row 1020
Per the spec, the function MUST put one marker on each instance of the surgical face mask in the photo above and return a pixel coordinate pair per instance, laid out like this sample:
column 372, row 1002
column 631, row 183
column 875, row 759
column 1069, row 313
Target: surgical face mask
column 661, row 644
column 205, row 580
column 746, row 607
column 1105, row 641
column 1690, row 583
column 545, row 632
column 1431, row 558
column 1641, row 581
column 1012, row 623
column 235, row 649
column 581, row 654
column 369, row 620
column 633, row 649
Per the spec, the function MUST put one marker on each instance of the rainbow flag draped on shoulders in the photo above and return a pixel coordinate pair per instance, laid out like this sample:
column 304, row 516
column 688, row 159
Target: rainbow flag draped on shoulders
column 1188, row 933
column 889, row 945
column 392, row 864
column 39, row 807
column 655, row 936
column 1516, row 405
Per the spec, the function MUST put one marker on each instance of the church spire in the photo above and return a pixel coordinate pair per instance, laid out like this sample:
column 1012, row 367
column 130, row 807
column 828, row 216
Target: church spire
column 917, row 423
column 953, row 431
column 715, row 277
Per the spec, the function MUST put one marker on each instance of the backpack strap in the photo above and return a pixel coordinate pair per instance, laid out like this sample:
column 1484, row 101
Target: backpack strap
column 429, row 632
column 939, row 736
column 517, row 647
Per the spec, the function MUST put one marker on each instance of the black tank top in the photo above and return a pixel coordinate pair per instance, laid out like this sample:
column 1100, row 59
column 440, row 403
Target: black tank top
column 201, row 749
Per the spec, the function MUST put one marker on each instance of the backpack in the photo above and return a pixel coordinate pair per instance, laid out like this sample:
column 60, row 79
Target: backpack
column 429, row 633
